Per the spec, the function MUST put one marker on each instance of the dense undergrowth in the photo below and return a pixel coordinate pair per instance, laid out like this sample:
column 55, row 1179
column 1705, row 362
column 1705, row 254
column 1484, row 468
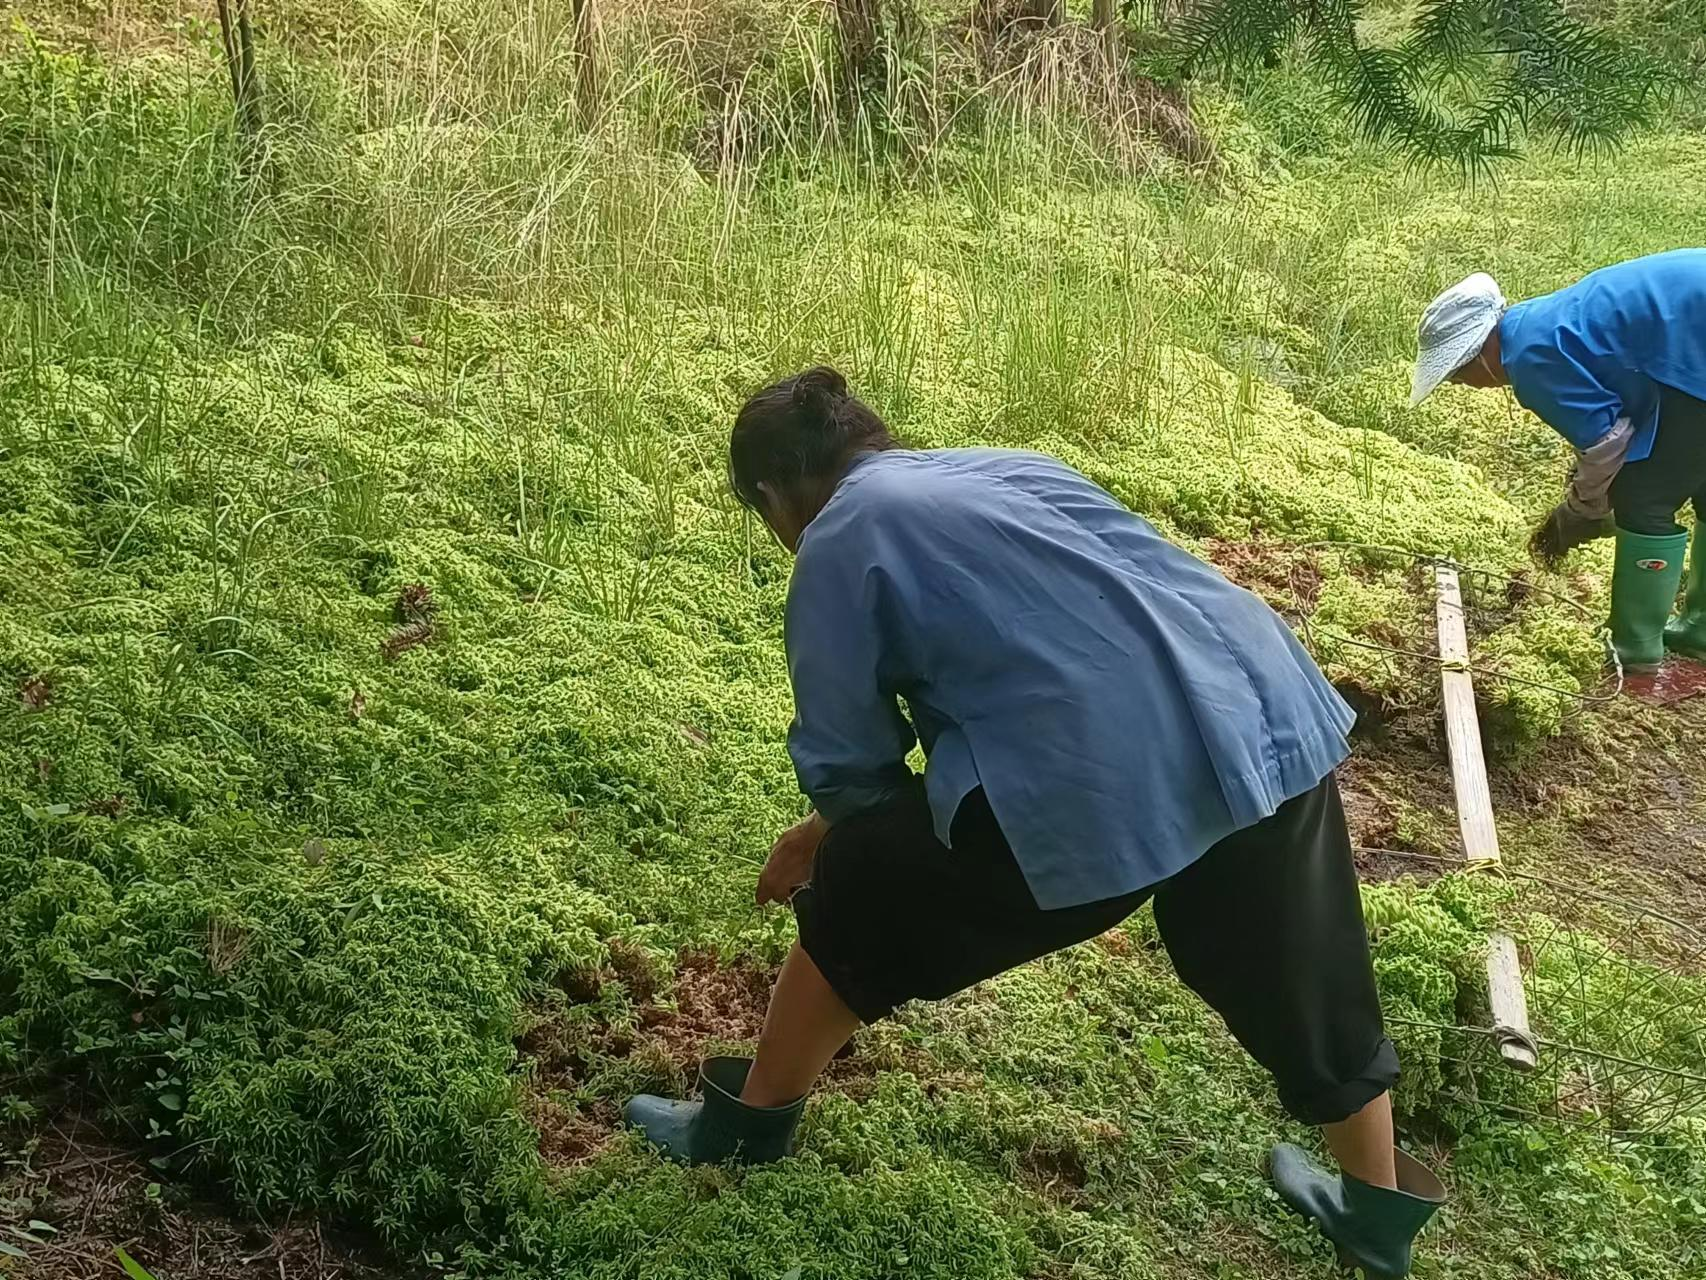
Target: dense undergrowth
column 386, row 652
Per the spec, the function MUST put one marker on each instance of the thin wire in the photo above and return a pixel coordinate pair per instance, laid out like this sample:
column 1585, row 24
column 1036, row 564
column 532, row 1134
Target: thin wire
column 1508, row 873
column 1610, row 1090
column 1590, row 1088
column 1433, row 558
column 1492, row 673
column 1420, row 558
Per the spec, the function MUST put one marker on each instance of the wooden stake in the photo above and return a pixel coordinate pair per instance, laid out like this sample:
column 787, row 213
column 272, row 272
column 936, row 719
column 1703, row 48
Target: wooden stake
column 1510, row 1005
column 1463, row 726
column 1103, row 20
column 1475, row 823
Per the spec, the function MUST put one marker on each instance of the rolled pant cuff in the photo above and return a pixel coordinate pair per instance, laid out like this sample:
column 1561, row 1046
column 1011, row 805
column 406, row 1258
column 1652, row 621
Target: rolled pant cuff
column 1333, row 1103
column 818, row 942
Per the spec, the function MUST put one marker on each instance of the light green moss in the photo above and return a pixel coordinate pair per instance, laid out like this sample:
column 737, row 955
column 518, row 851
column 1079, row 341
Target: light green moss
column 499, row 359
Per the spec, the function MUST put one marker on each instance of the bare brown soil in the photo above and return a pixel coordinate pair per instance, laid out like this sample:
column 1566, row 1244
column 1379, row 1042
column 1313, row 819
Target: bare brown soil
column 98, row 1194
column 1615, row 807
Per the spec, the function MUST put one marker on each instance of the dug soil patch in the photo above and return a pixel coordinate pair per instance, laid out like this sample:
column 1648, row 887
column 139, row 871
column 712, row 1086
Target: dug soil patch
column 713, row 1005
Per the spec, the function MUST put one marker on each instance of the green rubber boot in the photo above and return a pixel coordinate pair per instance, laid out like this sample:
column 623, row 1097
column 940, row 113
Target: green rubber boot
column 1643, row 589
column 1686, row 634
column 1373, row 1227
column 719, row 1127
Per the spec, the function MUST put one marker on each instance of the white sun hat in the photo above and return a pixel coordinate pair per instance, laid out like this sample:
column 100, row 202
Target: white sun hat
column 1452, row 330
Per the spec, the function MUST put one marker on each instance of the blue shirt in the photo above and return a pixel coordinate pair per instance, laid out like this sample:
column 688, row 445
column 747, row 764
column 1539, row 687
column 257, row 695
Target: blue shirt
column 1122, row 704
column 1600, row 350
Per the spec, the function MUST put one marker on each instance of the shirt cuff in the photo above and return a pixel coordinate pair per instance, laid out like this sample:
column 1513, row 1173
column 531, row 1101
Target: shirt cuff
column 837, row 804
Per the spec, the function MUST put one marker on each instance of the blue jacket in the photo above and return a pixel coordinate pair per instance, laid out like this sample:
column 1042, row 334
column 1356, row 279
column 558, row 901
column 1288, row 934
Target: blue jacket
column 1599, row 350
column 1122, row 704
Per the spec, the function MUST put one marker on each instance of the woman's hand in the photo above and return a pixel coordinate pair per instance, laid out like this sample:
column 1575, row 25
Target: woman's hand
column 790, row 863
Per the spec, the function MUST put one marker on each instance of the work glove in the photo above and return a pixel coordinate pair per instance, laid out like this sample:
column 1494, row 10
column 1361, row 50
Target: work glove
column 1565, row 528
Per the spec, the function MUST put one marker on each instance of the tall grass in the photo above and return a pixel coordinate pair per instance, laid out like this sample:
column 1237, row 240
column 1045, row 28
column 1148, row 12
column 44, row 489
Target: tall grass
column 1000, row 216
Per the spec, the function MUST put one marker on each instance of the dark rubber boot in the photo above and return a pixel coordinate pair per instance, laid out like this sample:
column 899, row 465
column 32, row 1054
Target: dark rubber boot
column 1687, row 634
column 720, row 1126
column 1643, row 589
column 1372, row 1227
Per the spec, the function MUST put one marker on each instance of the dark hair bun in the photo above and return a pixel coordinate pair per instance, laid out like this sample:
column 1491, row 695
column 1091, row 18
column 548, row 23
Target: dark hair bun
column 819, row 388
column 806, row 427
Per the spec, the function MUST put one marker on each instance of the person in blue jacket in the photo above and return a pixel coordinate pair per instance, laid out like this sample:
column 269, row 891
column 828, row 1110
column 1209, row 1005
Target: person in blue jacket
column 1106, row 721
column 1616, row 364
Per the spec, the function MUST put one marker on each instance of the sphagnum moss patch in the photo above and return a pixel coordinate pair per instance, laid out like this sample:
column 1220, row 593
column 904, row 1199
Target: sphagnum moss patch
column 290, row 900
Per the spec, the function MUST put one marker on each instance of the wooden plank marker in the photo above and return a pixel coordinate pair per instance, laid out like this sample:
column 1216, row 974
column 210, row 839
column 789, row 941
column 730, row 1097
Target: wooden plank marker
column 1463, row 726
column 1475, row 823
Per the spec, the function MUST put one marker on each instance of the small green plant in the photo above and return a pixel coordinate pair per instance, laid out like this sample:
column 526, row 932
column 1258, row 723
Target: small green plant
column 132, row 1268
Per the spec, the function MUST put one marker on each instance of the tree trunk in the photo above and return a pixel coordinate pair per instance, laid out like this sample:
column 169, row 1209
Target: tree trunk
column 858, row 22
column 589, row 65
column 239, row 39
column 1102, row 18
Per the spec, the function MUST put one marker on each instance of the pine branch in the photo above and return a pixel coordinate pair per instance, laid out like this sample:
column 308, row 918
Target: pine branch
column 1487, row 133
column 1450, row 45
column 1526, row 68
column 1375, row 85
column 1588, row 91
column 1229, row 34
column 1449, row 33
